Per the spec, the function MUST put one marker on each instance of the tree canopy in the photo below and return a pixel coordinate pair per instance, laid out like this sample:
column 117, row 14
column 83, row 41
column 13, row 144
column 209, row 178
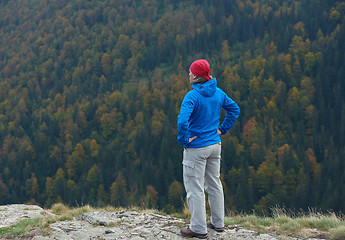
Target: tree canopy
column 90, row 93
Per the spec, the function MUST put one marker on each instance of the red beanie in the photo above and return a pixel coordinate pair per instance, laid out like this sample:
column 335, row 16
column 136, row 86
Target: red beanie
column 201, row 68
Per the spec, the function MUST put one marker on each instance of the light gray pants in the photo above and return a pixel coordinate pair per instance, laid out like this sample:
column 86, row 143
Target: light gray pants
column 201, row 171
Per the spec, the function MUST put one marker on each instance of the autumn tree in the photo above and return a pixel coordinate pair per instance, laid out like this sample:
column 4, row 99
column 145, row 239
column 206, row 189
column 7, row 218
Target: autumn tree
column 118, row 191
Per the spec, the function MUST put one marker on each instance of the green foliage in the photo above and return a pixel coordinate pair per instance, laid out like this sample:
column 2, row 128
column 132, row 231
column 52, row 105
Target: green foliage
column 118, row 192
column 20, row 228
column 90, row 92
column 175, row 195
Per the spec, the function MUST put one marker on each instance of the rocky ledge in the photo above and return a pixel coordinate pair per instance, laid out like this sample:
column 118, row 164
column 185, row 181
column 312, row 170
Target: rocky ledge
column 113, row 225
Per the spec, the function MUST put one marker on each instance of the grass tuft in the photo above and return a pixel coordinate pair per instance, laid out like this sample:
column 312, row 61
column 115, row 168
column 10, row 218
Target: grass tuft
column 185, row 214
column 59, row 209
column 302, row 225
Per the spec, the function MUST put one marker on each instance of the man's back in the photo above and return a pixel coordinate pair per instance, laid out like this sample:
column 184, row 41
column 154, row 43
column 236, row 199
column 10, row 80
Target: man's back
column 200, row 114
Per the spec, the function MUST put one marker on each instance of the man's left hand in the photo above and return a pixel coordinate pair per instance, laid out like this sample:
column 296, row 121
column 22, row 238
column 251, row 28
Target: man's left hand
column 191, row 139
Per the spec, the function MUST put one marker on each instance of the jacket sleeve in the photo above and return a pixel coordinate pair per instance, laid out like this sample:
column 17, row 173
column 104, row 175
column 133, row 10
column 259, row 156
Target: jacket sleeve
column 186, row 111
column 232, row 113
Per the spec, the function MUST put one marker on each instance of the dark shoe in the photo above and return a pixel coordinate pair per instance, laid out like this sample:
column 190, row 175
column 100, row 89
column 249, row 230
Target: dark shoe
column 186, row 232
column 210, row 225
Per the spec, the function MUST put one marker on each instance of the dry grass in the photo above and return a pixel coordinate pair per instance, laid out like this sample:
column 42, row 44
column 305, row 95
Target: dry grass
column 185, row 214
column 302, row 225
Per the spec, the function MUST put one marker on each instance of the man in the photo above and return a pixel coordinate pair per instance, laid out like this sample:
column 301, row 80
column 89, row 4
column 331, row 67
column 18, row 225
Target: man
column 199, row 132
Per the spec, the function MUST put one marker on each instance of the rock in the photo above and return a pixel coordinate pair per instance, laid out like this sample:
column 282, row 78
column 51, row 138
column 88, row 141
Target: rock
column 11, row 214
column 116, row 225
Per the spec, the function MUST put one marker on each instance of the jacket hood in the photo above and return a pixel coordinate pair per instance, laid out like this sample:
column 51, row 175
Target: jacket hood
column 207, row 89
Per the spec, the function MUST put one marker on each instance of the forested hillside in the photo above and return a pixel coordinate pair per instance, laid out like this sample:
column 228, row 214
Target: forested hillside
column 90, row 92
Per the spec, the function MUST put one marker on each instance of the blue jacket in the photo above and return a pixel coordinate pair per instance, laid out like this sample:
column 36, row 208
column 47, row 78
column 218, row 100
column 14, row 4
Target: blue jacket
column 200, row 115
